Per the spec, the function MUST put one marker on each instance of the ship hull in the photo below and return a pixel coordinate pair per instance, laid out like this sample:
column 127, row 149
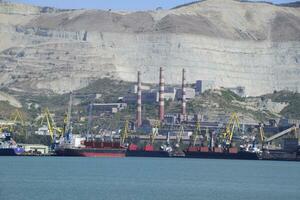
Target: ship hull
column 11, row 151
column 214, row 155
column 280, row 155
column 90, row 152
column 142, row 153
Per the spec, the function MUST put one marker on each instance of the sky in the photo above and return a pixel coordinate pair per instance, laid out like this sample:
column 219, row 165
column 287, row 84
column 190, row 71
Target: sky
column 116, row 4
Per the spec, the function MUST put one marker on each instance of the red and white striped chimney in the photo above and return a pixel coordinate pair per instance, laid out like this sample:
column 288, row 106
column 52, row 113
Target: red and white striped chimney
column 161, row 95
column 183, row 106
column 139, row 101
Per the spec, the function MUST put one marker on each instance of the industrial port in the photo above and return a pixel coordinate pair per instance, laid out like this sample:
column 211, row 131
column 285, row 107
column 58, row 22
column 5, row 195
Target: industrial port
column 158, row 83
column 180, row 135
column 151, row 100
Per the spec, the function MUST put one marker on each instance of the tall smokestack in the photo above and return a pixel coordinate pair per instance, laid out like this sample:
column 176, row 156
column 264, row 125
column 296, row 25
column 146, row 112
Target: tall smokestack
column 183, row 106
column 161, row 95
column 139, row 101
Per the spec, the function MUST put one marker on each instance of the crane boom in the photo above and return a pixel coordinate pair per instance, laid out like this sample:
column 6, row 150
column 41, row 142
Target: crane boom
column 90, row 119
column 280, row 134
column 196, row 133
column 124, row 133
column 154, row 133
column 180, row 135
column 51, row 125
column 230, row 127
column 16, row 117
column 68, row 124
column 262, row 133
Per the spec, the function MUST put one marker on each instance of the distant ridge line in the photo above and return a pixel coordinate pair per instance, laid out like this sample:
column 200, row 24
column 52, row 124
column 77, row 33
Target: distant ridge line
column 291, row 4
column 187, row 4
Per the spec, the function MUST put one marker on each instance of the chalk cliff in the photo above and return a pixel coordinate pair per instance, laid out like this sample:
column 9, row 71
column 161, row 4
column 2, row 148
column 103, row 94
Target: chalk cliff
column 233, row 43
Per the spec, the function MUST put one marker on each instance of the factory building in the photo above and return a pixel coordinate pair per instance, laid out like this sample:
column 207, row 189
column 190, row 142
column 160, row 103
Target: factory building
column 147, row 97
column 171, row 119
column 170, row 93
column 189, row 94
column 134, row 88
column 109, row 107
column 151, row 96
column 35, row 148
column 203, row 85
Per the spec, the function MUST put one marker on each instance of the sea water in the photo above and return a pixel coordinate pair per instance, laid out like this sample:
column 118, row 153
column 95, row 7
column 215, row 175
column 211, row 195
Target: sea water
column 72, row 178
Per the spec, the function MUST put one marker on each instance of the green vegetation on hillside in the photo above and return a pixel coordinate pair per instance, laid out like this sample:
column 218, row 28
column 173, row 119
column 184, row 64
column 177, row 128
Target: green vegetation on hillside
column 229, row 96
column 292, row 98
column 6, row 110
column 109, row 89
column 224, row 101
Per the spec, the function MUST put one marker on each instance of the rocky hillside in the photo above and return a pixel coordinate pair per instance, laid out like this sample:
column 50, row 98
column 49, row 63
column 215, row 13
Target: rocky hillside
column 255, row 45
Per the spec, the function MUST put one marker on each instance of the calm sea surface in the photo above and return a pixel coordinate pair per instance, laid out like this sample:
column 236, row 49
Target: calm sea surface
column 58, row 178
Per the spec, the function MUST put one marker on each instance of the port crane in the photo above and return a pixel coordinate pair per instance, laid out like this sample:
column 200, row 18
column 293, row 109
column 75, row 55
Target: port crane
column 262, row 135
column 196, row 133
column 90, row 120
column 67, row 120
column 154, row 133
column 282, row 133
column 16, row 124
column 53, row 130
column 230, row 127
column 179, row 136
column 17, row 118
column 265, row 140
column 124, row 133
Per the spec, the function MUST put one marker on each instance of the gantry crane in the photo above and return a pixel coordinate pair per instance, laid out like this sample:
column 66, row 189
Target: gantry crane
column 67, row 120
column 265, row 140
column 230, row 127
column 124, row 133
column 262, row 135
column 179, row 136
column 154, row 133
column 196, row 133
column 90, row 120
column 16, row 118
column 51, row 125
column 282, row 133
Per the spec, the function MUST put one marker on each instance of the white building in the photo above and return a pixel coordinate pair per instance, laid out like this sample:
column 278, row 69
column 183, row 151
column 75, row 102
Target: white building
column 38, row 148
column 42, row 131
column 135, row 88
column 170, row 93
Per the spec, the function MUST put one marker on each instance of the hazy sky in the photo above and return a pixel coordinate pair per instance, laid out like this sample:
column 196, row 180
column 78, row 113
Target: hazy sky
column 116, row 4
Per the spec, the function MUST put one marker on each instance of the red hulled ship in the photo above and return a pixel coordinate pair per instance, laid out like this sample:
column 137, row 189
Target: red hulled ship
column 93, row 149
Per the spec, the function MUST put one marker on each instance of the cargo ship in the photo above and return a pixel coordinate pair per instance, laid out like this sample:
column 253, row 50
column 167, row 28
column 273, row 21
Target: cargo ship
column 8, row 147
column 220, row 153
column 92, row 149
column 147, row 151
column 281, row 155
column 290, row 151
